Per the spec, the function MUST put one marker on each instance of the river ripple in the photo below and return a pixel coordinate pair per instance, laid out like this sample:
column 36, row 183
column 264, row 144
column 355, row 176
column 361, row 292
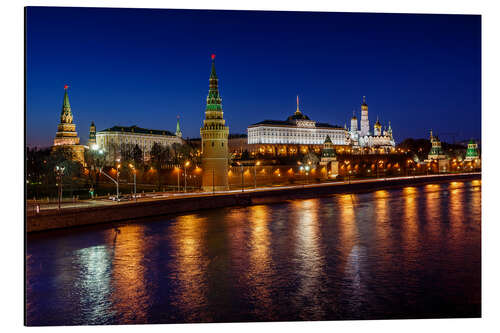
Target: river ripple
column 408, row 253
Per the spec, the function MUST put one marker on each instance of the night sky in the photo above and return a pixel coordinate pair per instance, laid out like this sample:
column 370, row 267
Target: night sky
column 144, row 67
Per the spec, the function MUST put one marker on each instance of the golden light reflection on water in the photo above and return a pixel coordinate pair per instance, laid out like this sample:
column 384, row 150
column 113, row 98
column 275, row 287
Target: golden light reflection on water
column 260, row 271
column 433, row 210
column 456, row 212
column 410, row 224
column 191, row 264
column 382, row 221
column 476, row 198
column 309, row 254
column 130, row 296
column 347, row 226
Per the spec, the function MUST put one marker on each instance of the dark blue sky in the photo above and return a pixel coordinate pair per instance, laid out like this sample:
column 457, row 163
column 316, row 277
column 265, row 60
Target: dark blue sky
column 144, row 67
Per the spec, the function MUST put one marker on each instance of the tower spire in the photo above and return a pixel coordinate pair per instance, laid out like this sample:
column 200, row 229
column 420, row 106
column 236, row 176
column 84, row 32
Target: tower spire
column 213, row 74
column 178, row 128
column 66, row 115
column 298, row 109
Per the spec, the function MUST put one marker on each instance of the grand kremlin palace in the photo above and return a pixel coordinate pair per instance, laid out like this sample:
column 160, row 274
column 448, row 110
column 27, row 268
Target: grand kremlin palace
column 299, row 132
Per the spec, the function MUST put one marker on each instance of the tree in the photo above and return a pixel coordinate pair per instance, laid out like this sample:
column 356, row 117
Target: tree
column 159, row 157
column 310, row 158
column 137, row 156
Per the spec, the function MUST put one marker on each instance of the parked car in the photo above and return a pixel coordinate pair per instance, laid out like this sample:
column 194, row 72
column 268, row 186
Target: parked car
column 120, row 198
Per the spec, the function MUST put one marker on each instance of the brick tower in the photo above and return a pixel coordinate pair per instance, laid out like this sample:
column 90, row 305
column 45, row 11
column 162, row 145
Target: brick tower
column 214, row 135
column 66, row 136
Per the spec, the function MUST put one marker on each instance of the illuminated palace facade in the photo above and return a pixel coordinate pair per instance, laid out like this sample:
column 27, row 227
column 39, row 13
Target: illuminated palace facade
column 112, row 139
column 299, row 132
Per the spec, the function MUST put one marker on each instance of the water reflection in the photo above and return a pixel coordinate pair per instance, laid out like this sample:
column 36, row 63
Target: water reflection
column 260, row 270
column 348, row 231
column 130, row 294
column 433, row 210
column 191, row 266
column 410, row 225
column 456, row 213
column 404, row 253
column 309, row 256
column 93, row 283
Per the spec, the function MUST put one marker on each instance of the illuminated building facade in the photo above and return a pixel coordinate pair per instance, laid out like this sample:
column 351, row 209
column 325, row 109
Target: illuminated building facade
column 472, row 152
column 297, row 129
column 364, row 138
column 436, row 151
column 214, row 139
column 329, row 159
column 111, row 139
column 66, row 136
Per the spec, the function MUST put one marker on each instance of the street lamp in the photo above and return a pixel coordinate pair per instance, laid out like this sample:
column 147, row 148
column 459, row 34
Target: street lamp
column 113, row 180
column 307, row 167
column 135, row 189
column 185, row 177
column 255, row 173
column 59, row 173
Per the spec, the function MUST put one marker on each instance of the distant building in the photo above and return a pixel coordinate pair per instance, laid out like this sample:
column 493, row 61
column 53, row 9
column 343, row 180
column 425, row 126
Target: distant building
column 297, row 129
column 111, row 139
column 66, row 136
column 329, row 159
column 92, row 138
column 364, row 138
column 436, row 151
column 436, row 154
column 472, row 153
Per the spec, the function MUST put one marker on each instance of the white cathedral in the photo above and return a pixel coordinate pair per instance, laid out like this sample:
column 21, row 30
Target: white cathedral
column 363, row 137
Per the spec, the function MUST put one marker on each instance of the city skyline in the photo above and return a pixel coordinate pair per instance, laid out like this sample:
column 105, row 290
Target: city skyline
column 143, row 74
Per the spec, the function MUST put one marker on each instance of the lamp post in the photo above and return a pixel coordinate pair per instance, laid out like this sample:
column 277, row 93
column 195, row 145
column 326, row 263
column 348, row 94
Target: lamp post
column 59, row 173
column 135, row 189
column 307, row 173
column 255, row 173
column 118, row 179
column 178, row 179
column 242, row 179
column 185, row 176
column 113, row 180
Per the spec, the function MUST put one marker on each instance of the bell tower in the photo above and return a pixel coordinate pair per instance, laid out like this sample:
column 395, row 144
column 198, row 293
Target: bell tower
column 365, row 124
column 214, row 138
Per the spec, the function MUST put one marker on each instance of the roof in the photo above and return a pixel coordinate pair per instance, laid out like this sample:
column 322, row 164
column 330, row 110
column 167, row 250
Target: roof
column 291, row 124
column 136, row 129
column 298, row 115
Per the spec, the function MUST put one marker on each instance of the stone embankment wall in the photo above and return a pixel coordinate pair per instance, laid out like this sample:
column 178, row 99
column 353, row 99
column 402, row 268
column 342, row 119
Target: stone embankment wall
column 47, row 220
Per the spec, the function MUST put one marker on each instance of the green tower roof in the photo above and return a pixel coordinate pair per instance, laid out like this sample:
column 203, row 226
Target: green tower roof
column 214, row 102
column 327, row 139
column 178, row 127
column 66, row 115
column 213, row 74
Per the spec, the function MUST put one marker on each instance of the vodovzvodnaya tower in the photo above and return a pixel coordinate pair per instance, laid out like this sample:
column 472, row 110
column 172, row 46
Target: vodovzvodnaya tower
column 214, row 134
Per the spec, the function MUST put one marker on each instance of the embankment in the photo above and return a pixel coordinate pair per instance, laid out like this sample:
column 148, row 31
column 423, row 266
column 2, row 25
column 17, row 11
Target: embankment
column 66, row 218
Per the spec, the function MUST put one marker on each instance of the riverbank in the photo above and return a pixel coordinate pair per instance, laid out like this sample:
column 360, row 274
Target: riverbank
column 74, row 217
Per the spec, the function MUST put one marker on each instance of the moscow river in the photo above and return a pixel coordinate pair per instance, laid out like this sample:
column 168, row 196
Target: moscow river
column 413, row 252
